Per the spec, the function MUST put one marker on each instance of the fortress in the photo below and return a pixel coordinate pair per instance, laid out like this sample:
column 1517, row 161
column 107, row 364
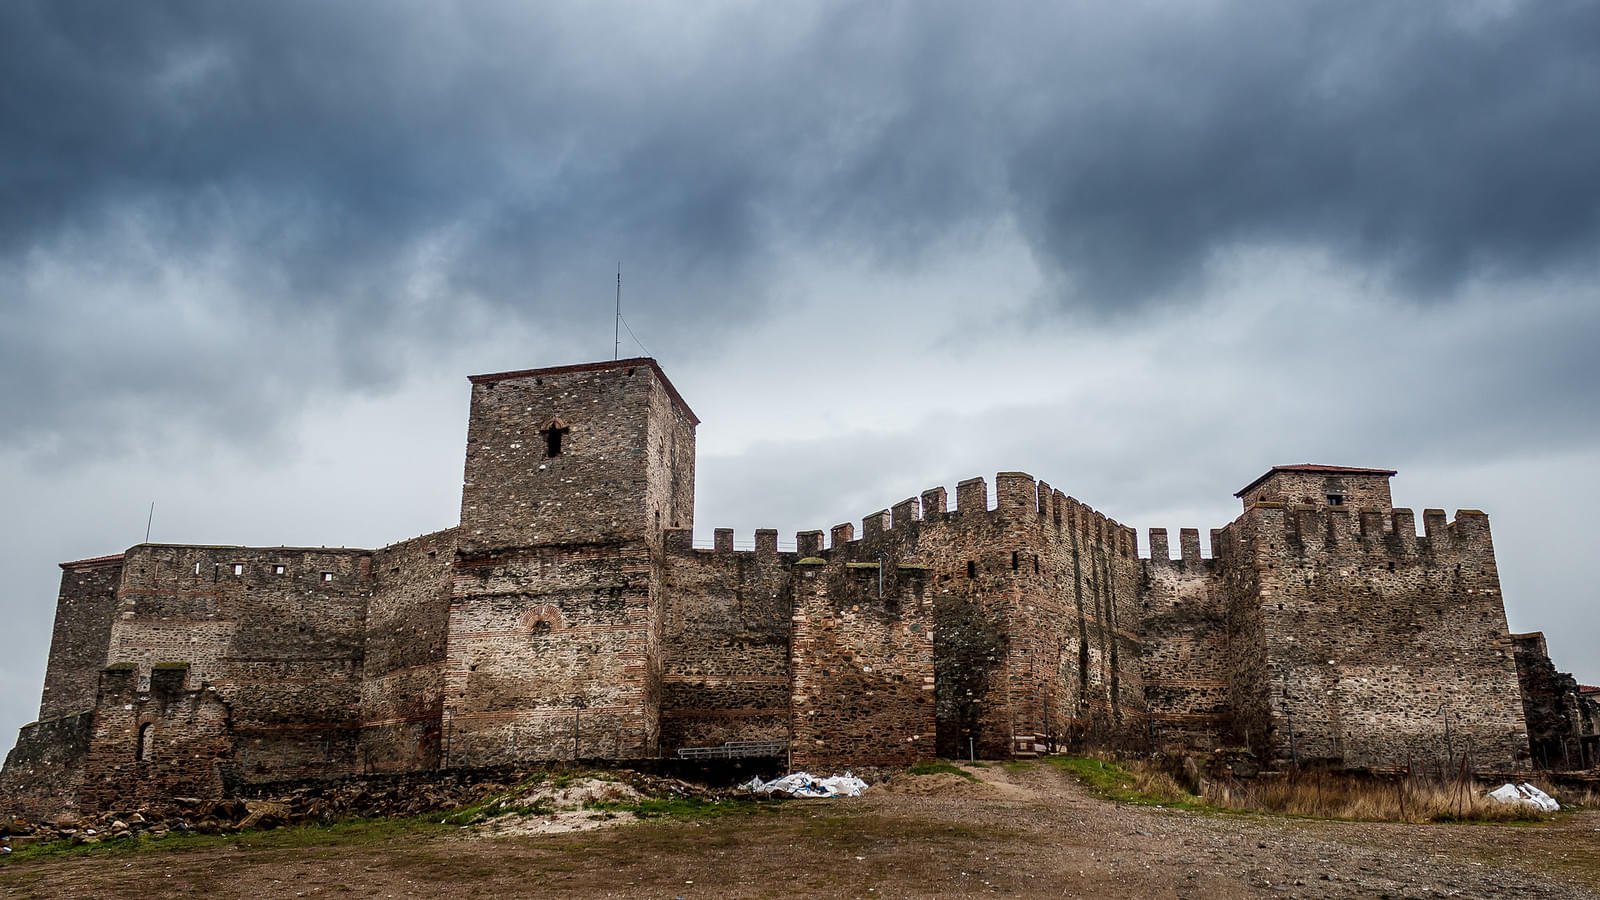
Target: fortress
column 568, row 615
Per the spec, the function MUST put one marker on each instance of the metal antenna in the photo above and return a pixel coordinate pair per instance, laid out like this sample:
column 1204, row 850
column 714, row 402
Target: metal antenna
column 616, row 324
column 147, row 521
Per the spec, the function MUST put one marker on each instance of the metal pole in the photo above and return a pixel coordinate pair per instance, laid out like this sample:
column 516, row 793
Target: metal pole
column 972, row 753
column 149, row 520
column 616, row 322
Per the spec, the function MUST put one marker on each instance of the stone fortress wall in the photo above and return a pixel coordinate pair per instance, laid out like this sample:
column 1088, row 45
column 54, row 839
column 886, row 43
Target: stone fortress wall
column 569, row 616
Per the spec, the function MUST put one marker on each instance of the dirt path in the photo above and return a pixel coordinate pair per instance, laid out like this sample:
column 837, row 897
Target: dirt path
column 1023, row 831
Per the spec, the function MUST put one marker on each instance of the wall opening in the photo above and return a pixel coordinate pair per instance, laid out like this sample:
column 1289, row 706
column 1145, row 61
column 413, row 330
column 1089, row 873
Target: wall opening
column 147, row 742
column 1015, row 557
column 1335, row 499
column 972, row 569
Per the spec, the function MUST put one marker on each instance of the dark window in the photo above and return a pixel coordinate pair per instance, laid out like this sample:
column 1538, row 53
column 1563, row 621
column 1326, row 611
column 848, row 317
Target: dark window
column 147, row 740
column 552, row 441
column 1014, row 557
column 972, row 569
column 1335, row 499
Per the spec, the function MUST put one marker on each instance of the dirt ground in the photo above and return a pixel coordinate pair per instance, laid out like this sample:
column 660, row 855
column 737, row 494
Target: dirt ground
column 1022, row 831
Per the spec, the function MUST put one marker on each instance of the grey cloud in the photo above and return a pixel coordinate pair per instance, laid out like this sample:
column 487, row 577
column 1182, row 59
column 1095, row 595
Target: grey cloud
column 512, row 155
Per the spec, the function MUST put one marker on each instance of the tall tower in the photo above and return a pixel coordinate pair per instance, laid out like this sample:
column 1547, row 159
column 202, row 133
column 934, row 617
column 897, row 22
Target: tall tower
column 554, row 648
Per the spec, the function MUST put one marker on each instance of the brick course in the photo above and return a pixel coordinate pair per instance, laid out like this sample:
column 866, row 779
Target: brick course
column 568, row 615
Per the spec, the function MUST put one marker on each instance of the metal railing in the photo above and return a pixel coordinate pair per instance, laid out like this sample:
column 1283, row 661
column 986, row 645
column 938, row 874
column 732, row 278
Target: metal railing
column 735, row 750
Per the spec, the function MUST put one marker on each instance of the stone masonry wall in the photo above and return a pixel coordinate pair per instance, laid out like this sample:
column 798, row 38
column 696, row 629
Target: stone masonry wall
column 862, row 666
column 1383, row 647
column 1186, row 648
column 156, row 741
column 407, row 626
column 278, row 633
column 547, row 656
column 43, row 774
column 729, row 615
column 84, row 610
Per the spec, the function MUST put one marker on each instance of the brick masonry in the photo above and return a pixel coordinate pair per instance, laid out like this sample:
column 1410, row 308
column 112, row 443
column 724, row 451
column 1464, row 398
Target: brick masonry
column 568, row 615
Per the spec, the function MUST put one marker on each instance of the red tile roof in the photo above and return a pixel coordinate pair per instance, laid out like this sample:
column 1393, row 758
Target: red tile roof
column 1588, row 689
column 96, row 561
column 1315, row 469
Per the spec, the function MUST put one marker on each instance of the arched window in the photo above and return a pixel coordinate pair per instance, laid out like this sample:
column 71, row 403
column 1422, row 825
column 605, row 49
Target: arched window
column 147, row 742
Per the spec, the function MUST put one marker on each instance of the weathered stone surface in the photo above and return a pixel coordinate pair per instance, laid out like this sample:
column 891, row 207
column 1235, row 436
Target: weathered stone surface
column 569, row 616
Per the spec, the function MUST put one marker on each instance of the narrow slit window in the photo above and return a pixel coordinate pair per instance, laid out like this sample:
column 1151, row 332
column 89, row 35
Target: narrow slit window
column 327, row 576
column 147, row 739
column 972, row 569
column 1015, row 556
column 238, row 569
column 277, row 570
column 197, row 568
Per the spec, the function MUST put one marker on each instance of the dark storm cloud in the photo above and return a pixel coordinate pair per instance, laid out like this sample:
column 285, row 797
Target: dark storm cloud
column 313, row 162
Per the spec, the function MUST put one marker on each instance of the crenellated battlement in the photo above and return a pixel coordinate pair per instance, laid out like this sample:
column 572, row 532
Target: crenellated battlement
column 570, row 613
column 1311, row 529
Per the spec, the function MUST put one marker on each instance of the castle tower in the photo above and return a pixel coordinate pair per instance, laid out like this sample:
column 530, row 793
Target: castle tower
column 554, row 647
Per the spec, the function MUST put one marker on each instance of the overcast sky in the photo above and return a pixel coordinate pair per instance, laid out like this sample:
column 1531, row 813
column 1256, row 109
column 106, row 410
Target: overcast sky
column 250, row 253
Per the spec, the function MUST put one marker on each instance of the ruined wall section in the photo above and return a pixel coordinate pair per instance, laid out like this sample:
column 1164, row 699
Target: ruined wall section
column 728, row 620
column 157, row 740
column 1384, row 647
column 277, row 632
column 44, row 772
column 1186, row 650
column 407, row 625
column 1561, row 722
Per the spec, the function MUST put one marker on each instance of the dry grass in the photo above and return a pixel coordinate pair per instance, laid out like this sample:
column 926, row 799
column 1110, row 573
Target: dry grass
column 1312, row 793
column 1329, row 795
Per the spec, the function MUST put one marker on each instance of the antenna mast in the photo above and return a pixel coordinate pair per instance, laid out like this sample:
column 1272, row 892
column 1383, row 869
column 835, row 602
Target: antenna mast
column 148, row 521
column 616, row 323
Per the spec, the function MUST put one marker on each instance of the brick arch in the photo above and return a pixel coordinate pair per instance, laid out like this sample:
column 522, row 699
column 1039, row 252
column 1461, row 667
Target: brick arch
column 545, row 614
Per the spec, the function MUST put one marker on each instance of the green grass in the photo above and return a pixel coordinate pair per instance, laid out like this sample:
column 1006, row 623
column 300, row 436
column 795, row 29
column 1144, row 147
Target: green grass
column 1112, row 781
column 940, row 767
column 353, row 832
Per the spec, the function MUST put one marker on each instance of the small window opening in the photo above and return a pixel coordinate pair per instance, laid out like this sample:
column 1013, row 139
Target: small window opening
column 277, row 570
column 554, row 431
column 972, row 569
column 197, row 568
column 1036, row 564
column 1335, row 499
column 327, row 576
column 1015, row 557
column 238, row 569
column 147, row 740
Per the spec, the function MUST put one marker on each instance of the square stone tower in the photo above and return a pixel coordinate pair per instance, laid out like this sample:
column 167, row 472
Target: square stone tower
column 554, row 647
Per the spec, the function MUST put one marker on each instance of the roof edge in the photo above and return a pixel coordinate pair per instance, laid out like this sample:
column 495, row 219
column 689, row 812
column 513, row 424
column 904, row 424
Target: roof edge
column 1317, row 468
column 655, row 367
column 92, row 561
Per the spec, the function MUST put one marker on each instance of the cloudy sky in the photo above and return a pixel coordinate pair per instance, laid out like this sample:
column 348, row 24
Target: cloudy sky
column 250, row 253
